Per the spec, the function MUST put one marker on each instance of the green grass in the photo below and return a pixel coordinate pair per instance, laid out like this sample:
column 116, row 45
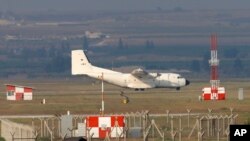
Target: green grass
column 81, row 97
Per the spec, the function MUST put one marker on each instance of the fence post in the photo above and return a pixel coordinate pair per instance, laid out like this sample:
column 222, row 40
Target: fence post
column 188, row 110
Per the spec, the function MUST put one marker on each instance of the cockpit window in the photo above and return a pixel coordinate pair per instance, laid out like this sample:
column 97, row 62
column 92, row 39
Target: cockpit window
column 179, row 77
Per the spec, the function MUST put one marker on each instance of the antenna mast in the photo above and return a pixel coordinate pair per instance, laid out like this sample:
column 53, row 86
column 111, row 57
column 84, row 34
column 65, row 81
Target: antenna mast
column 214, row 63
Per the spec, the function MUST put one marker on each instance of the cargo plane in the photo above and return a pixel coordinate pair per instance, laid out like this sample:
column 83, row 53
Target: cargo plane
column 138, row 79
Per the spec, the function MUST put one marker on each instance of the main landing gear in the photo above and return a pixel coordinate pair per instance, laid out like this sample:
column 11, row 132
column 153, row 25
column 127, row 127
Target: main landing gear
column 125, row 99
column 139, row 89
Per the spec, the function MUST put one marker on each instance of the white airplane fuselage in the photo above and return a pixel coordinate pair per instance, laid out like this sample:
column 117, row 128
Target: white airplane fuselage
column 81, row 66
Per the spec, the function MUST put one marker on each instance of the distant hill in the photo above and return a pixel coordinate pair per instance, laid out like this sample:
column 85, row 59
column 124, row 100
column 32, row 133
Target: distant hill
column 163, row 40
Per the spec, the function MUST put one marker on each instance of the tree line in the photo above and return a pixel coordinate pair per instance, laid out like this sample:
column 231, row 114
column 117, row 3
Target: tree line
column 55, row 58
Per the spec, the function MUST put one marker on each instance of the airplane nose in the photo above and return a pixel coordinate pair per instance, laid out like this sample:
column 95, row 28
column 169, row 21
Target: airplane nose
column 187, row 82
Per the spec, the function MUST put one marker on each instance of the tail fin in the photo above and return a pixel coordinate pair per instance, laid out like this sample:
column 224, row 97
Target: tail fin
column 80, row 63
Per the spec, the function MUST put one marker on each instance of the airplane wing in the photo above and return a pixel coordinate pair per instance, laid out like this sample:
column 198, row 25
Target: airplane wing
column 140, row 73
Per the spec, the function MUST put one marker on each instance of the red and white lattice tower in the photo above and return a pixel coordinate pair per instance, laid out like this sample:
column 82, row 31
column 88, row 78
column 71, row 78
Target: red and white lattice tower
column 214, row 63
column 215, row 92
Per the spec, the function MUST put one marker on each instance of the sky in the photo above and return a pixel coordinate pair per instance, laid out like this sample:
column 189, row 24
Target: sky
column 119, row 5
